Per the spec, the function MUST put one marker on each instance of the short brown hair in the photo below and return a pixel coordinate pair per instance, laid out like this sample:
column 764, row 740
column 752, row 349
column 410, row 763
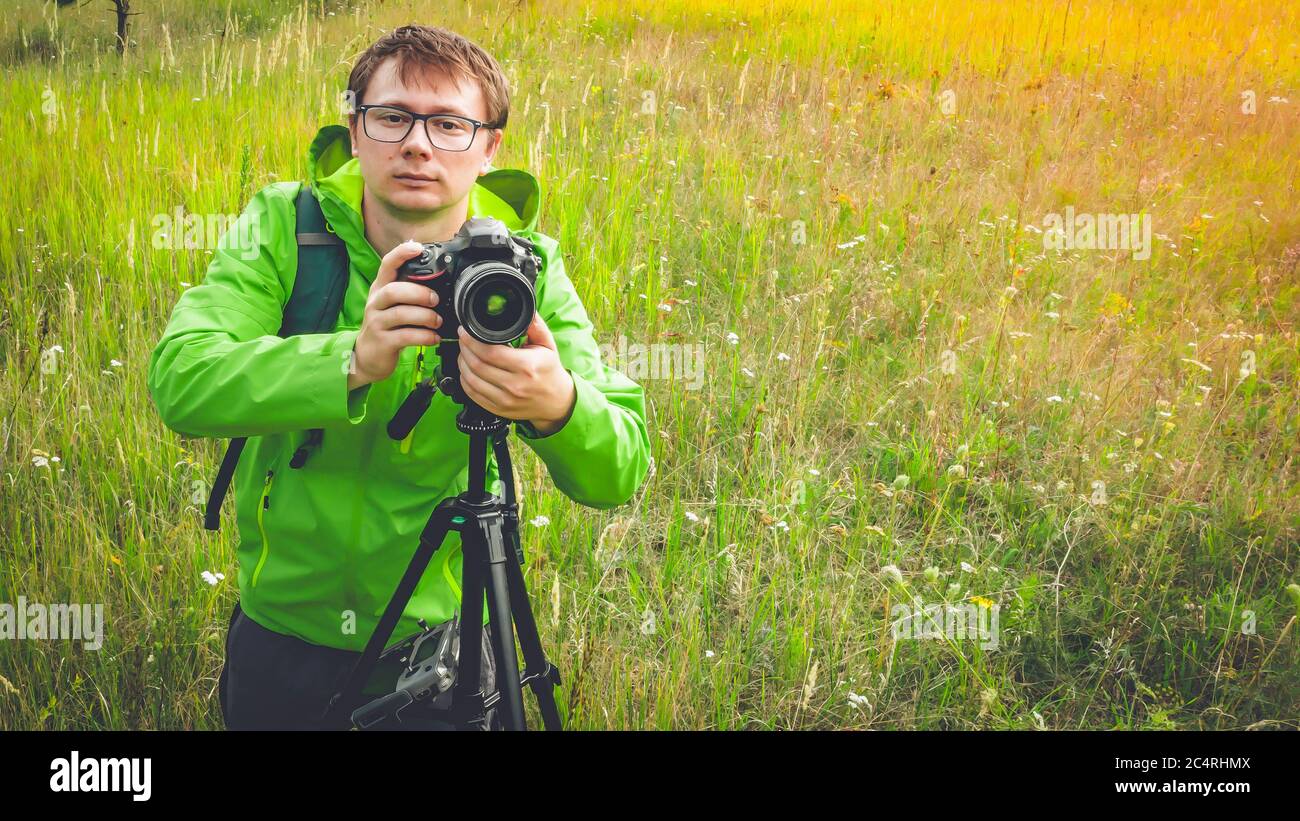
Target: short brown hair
column 426, row 47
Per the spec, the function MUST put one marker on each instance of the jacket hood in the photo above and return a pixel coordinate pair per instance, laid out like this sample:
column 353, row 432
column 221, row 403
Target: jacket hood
column 511, row 195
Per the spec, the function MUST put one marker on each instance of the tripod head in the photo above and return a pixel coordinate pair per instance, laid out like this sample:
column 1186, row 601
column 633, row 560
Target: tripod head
column 445, row 378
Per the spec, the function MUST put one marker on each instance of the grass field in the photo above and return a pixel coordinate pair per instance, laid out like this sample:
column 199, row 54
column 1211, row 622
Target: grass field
column 912, row 394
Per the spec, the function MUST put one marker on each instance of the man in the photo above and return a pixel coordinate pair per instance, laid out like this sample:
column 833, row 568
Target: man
column 321, row 548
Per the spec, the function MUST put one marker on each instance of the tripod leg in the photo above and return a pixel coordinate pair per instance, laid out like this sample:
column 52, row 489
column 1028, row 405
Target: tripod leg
column 543, row 676
column 430, row 540
column 467, row 693
column 486, row 549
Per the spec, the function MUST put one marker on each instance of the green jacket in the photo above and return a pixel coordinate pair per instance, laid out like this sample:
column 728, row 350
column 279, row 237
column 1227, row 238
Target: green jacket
column 321, row 548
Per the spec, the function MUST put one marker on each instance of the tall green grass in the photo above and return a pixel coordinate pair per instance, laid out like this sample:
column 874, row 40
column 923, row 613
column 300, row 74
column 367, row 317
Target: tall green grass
column 684, row 143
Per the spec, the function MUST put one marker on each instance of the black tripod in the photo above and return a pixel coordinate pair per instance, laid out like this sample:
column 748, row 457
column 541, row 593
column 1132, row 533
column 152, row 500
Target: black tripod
column 492, row 562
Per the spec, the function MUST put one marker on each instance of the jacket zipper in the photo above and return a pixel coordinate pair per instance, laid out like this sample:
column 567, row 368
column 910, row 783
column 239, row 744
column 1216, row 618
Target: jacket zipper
column 418, row 375
column 262, row 507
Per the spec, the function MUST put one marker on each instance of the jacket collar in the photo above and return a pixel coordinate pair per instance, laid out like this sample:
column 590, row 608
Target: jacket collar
column 511, row 195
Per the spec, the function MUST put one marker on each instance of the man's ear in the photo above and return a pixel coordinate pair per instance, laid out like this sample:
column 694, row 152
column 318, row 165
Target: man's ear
column 352, row 131
column 498, row 136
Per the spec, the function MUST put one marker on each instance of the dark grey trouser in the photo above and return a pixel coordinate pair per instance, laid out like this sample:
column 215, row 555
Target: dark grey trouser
column 271, row 681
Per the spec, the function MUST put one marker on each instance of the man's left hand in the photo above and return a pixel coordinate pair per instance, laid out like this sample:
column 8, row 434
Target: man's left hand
column 525, row 383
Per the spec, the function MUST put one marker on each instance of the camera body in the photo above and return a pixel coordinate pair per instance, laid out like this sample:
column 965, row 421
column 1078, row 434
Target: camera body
column 484, row 277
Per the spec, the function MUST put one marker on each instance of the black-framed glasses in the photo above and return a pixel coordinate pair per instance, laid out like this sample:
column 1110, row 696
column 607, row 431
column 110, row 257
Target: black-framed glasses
column 390, row 124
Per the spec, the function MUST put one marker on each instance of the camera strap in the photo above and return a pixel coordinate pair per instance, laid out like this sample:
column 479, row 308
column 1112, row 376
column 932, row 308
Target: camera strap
column 313, row 307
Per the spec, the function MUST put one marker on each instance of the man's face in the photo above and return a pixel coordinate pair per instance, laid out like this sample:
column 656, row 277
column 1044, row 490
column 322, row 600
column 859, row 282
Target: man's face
column 412, row 175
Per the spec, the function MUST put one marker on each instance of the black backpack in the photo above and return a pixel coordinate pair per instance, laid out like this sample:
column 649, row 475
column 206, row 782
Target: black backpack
column 313, row 308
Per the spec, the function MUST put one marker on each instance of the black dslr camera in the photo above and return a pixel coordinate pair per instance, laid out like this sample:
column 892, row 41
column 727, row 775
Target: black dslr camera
column 484, row 279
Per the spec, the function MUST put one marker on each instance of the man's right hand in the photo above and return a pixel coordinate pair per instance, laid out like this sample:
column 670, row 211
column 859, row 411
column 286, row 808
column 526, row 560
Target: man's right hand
column 390, row 306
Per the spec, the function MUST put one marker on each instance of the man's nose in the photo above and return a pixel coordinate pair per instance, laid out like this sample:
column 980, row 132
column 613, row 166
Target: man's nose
column 417, row 142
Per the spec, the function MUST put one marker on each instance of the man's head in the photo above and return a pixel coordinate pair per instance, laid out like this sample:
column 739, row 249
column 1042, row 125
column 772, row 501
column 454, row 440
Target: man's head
column 425, row 70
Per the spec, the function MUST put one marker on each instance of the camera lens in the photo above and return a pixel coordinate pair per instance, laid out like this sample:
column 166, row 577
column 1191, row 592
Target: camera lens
column 494, row 301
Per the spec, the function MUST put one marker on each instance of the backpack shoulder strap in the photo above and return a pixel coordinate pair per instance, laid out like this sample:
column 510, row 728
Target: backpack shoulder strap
column 313, row 307
column 322, row 278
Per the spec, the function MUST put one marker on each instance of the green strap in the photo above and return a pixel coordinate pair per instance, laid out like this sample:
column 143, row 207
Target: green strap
column 322, row 278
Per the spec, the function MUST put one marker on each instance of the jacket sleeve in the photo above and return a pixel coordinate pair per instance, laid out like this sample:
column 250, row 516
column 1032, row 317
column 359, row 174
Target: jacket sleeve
column 601, row 454
column 220, row 370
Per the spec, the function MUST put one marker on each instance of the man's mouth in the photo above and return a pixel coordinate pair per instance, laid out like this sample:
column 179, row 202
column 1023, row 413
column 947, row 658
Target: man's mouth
column 416, row 179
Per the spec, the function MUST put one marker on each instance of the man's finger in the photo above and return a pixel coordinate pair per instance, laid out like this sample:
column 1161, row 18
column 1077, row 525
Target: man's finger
column 403, row 315
column 487, row 395
column 540, row 334
column 499, row 355
column 483, row 369
column 404, row 293
column 392, row 260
